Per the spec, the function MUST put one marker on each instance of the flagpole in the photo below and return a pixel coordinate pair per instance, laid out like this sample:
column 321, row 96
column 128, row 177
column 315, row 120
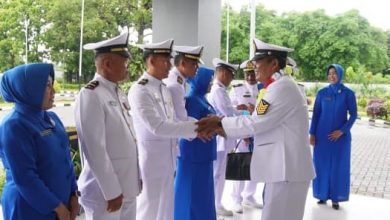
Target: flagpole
column 81, row 43
column 227, row 30
column 252, row 28
column 80, row 66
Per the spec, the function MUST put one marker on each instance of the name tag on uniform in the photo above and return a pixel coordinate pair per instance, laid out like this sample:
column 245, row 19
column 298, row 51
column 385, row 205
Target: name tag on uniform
column 328, row 98
column 113, row 103
column 46, row 132
column 126, row 106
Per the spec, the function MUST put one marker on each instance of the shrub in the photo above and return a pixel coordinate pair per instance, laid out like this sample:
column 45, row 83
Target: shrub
column 126, row 86
column 362, row 102
column 376, row 109
column 2, row 181
column 57, row 86
column 387, row 107
column 74, row 149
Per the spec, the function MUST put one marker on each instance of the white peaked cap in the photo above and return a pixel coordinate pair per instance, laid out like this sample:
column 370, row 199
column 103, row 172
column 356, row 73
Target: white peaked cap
column 220, row 63
column 164, row 47
column 116, row 44
column 190, row 52
column 247, row 66
column 291, row 62
column 263, row 50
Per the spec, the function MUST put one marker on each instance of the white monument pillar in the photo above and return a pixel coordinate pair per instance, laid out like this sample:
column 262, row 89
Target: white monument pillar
column 189, row 22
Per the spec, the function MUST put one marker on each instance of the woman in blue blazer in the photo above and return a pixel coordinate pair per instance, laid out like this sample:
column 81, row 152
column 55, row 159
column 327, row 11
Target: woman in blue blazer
column 194, row 184
column 34, row 148
column 331, row 137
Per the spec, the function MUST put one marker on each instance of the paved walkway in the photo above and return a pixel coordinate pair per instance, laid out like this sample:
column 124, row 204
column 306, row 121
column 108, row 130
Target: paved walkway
column 370, row 164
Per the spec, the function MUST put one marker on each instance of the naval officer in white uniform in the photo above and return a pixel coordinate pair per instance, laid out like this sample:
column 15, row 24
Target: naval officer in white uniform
column 157, row 131
column 186, row 63
column 281, row 156
column 245, row 94
column 109, row 181
column 220, row 100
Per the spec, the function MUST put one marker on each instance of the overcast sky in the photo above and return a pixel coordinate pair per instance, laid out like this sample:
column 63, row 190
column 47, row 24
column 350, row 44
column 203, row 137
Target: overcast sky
column 377, row 12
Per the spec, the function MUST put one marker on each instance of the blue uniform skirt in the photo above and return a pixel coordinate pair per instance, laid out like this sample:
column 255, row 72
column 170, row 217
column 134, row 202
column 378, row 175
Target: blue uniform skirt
column 194, row 191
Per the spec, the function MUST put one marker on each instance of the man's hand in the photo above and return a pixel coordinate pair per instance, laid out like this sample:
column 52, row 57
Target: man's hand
column 242, row 107
column 335, row 135
column 209, row 126
column 247, row 141
column 115, row 204
column 312, row 140
column 74, row 207
column 251, row 108
column 62, row 212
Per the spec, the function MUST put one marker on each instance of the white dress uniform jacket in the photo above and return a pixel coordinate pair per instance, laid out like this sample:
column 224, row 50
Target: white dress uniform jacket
column 243, row 93
column 176, row 84
column 157, row 133
column 281, row 156
column 220, row 100
column 108, row 144
column 281, row 151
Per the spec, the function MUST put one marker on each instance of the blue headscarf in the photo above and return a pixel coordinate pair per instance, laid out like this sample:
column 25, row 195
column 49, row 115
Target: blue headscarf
column 340, row 75
column 199, row 84
column 25, row 85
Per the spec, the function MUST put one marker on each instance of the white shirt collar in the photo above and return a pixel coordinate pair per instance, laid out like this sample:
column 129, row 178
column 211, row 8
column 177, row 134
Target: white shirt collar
column 105, row 81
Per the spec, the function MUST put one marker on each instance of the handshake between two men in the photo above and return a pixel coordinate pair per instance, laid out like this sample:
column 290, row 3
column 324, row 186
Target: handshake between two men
column 208, row 127
column 212, row 125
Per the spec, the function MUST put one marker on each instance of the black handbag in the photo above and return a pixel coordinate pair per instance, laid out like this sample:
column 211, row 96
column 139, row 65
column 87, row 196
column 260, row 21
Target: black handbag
column 238, row 165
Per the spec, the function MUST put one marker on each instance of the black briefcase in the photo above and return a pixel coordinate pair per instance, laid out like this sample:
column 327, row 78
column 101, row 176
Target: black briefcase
column 238, row 165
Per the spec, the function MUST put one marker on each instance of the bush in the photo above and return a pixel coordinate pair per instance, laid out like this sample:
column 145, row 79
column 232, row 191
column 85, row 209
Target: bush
column 71, row 86
column 57, row 86
column 2, row 181
column 126, row 86
column 376, row 109
column 74, row 149
column 387, row 107
column 312, row 91
column 362, row 102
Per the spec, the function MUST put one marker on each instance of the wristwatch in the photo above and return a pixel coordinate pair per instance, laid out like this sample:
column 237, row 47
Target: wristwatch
column 75, row 193
column 219, row 123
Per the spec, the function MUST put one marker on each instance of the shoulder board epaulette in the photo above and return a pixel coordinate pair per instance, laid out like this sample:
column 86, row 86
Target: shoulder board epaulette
column 237, row 85
column 92, row 85
column 143, row 82
column 179, row 80
column 163, row 84
column 299, row 84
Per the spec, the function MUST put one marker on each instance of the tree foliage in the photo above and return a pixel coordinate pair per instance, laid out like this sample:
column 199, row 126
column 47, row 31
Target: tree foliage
column 318, row 39
column 54, row 31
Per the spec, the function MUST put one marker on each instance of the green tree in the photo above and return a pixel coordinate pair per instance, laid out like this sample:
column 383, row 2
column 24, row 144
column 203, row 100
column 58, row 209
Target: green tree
column 54, row 31
column 102, row 19
column 318, row 39
column 17, row 17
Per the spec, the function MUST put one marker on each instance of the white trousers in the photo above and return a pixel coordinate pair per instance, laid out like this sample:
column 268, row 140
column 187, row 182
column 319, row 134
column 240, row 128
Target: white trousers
column 219, row 177
column 243, row 190
column 156, row 199
column 285, row 200
column 98, row 211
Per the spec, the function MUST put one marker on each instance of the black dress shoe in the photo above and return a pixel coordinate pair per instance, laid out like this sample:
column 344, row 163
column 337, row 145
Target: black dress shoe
column 335, row 205
column 321, row 202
